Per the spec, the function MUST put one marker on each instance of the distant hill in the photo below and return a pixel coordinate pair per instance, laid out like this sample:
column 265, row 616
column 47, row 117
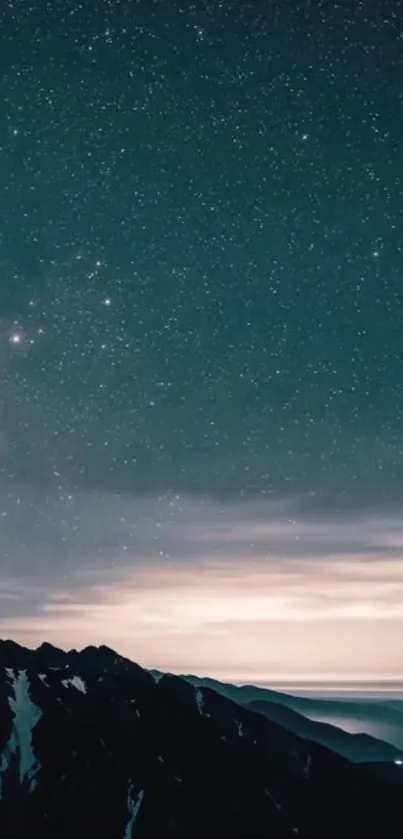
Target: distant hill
column 381, row 720
column 361, row 748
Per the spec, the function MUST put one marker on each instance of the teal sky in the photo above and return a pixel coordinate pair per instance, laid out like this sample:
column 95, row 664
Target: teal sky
column 201, row 304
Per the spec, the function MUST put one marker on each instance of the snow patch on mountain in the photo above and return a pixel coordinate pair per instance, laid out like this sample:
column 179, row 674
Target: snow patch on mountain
column 275, row 802
column 133, row 806
column 10, row 749
column 75, row 682
column 199, row 700
column 307, row 767
column 26, row 716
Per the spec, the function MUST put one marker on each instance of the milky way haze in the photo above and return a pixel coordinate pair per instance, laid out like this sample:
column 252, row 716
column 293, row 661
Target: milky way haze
column 201, row 353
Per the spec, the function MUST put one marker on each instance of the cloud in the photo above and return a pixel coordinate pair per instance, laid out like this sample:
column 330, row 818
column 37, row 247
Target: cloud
column 164, row 578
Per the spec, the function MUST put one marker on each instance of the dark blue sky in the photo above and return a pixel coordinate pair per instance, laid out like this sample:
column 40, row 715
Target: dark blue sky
column 201, row 254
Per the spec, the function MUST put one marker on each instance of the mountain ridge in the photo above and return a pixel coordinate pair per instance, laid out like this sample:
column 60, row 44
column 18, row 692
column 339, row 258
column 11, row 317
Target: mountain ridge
column 92, row 744
column 384, row 715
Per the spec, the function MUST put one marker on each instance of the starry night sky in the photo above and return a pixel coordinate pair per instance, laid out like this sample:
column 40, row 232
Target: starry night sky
column 201, row 311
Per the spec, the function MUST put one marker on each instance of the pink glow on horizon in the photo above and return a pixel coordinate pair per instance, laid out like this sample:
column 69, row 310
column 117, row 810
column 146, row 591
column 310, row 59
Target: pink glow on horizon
column 238, row 619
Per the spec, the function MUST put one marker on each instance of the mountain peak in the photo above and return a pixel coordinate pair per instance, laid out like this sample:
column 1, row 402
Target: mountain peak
column 91, row 739
column 47, row 647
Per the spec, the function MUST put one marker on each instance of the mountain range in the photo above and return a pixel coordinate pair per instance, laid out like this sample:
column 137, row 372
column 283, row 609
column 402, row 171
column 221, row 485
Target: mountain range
column 93, row 745
column 380, row 723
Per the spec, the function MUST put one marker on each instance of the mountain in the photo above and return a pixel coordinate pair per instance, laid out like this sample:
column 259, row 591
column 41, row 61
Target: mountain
column 92, row 745
column 360, row 748
column 382, row 720
column 391, row 771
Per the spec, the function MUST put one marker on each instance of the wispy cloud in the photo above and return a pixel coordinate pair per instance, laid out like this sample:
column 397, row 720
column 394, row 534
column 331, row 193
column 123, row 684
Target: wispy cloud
column 183, row 583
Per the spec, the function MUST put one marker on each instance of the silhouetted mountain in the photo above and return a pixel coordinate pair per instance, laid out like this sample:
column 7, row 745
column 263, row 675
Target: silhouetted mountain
column 391, row 771
column 92, row 745
column 357, row 747
column 382, row 720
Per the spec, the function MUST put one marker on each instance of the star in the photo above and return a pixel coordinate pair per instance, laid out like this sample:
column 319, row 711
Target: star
column 196, row 297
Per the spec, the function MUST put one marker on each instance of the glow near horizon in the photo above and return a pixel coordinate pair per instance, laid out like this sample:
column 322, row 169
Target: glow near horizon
column 223, row 611
column 194, row 619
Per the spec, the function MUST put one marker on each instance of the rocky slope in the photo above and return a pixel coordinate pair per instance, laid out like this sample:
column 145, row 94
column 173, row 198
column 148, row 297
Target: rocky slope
column 92, row 745
column 380, row 722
